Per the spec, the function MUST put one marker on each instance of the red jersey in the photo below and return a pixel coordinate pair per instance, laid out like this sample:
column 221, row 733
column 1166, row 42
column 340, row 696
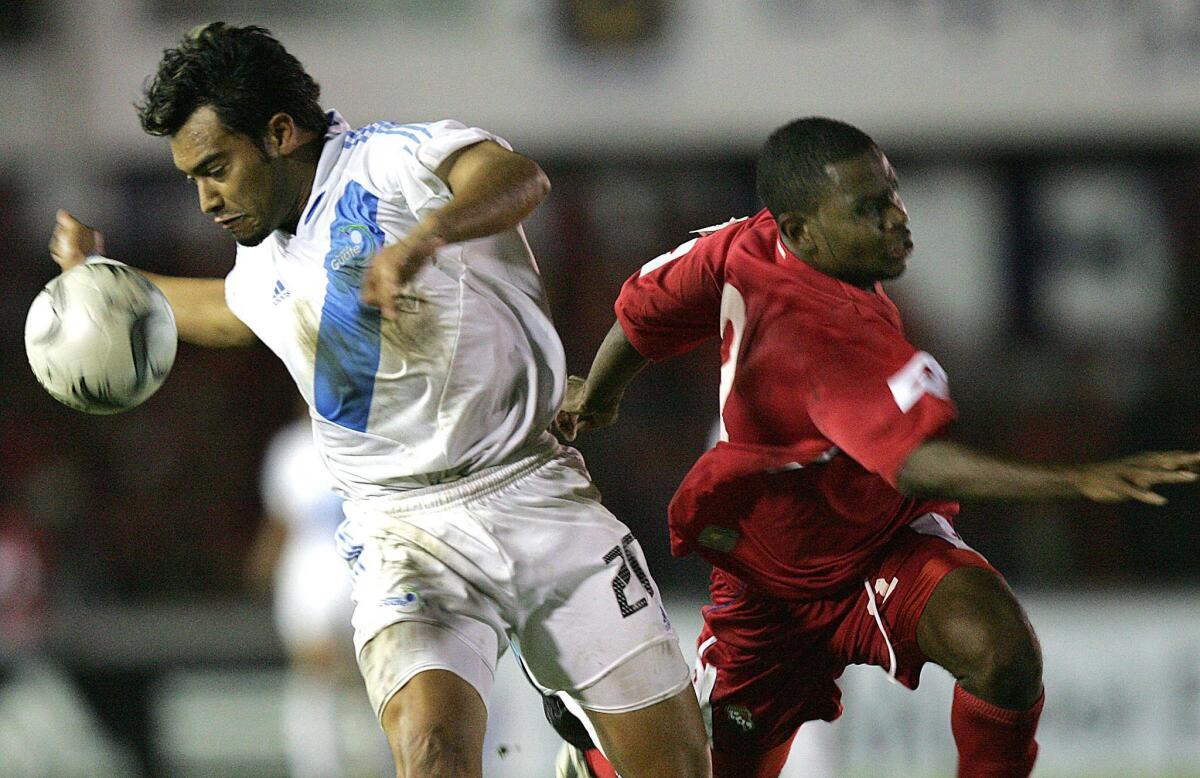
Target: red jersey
column 822, row 400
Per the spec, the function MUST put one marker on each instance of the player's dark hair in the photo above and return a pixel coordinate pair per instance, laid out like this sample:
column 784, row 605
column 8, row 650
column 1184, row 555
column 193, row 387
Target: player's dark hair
column 791, row 166
column 244, row 74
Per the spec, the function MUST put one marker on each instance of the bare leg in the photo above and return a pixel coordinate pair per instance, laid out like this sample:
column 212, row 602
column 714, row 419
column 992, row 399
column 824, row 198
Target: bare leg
column 666, row 738
column 974, row 627
column 435, row 726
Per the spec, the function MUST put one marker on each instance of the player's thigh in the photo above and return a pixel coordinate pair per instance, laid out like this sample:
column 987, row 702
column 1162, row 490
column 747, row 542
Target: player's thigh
column 414, row 613
column 588, row 615
column 881, row 620
column 666, row 738
column 435, row 726
column 974, row 627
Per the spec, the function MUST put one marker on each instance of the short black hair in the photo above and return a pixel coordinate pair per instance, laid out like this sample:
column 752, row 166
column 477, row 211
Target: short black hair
column 791, row 167
column 244, row 74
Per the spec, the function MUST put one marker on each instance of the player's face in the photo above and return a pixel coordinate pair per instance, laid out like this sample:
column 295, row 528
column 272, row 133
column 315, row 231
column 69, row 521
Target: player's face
column 242, row 186
column 859, row 232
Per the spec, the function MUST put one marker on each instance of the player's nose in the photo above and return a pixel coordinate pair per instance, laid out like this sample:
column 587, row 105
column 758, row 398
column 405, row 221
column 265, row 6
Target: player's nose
column 210, row 200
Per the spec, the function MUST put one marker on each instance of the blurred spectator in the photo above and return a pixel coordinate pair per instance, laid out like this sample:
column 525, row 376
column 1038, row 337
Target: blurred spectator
column 294, row 556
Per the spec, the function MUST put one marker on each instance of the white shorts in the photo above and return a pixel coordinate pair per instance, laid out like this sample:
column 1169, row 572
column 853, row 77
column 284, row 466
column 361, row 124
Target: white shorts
column 445, row 577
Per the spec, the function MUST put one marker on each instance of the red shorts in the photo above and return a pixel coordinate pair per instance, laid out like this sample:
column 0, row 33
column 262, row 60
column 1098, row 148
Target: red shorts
column 765, row 666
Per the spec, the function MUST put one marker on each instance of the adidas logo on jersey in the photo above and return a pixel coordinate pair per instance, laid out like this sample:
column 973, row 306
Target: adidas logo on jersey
column 280, row 293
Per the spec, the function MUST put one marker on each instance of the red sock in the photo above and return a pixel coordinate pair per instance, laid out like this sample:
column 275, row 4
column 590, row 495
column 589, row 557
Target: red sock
column 598, row 764
column 993, row 742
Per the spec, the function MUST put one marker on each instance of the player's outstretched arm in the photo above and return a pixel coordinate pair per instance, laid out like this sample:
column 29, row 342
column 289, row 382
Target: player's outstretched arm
column 202, row 316
column 494, row 190
column 593, row 402
column 944, row 469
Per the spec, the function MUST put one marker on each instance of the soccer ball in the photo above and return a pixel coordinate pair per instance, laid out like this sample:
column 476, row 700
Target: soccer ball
column 100, row 337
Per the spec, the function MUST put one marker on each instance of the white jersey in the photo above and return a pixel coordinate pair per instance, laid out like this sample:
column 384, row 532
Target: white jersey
column 470, row 374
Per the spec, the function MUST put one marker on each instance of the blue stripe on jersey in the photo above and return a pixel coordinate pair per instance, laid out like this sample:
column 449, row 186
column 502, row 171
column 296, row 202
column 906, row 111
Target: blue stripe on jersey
column 354, row 137
column 348, row 339
column 313, row 210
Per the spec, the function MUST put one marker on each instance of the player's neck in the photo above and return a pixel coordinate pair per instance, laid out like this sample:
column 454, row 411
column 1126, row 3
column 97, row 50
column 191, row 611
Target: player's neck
column 304, row 173
column 826, row 266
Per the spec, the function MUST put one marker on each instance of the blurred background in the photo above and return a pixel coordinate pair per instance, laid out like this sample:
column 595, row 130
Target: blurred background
column 1049, row 154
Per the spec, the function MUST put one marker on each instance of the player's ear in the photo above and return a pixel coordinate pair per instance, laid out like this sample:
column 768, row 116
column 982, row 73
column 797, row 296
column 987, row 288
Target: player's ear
column 282, row 136
column 796, row 230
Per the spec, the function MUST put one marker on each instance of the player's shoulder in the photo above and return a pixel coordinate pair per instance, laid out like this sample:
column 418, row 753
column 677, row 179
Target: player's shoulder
column 737, row 227
column 393, row 134
column 713, row 242
column 385, row 140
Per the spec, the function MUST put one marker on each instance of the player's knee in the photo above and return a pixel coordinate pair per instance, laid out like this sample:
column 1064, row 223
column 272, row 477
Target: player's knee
column 691, row 760
column 435, row 751
column 698, row 758
column 1006, row 669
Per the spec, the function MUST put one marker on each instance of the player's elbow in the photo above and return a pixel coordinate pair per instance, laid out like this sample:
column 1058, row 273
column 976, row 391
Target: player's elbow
column 239, row 336
column 911, row 485
column 923, row 473
column 538, row 183
column 216, row 332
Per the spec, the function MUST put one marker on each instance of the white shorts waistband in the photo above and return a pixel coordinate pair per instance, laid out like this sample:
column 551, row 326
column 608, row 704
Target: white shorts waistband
column 464, row 489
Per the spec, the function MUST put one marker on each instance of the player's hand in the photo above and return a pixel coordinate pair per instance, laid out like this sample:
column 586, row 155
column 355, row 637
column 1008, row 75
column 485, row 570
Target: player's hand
column 1133, row 478
column 73, row 241
column 393, row 266
column 579, row 412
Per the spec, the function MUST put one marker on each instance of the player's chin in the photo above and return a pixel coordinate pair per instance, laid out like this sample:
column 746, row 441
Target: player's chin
column 251, row 238
column 893, row 268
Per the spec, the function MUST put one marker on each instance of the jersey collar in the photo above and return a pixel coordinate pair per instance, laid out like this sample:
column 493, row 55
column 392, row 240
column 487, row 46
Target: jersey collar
column 328, row 161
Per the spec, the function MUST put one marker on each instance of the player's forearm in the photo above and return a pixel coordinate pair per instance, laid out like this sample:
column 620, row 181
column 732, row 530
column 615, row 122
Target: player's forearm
column 201, row 314
column 949, row 470
column 492, row 193
column 614, row 367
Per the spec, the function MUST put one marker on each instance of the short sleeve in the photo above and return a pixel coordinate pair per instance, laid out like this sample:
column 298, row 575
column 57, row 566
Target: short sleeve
column 233, row 290
column 877, row 399
column 673, row 303
column 403, row 159
column 251, row 276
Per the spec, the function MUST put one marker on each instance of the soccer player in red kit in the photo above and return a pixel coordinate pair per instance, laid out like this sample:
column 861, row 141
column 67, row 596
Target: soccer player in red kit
column 826, row 508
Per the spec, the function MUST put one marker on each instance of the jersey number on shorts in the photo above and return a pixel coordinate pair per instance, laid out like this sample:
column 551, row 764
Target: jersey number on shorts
column 628, row 559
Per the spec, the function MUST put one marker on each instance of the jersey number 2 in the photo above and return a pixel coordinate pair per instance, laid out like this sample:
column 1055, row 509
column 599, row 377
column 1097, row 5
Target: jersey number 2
column 624, row 554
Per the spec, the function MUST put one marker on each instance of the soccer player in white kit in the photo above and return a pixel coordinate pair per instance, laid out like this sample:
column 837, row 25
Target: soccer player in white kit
column 386, row 267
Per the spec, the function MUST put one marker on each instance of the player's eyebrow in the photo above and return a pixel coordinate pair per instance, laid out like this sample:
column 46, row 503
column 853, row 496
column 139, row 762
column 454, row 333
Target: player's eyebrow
column 205, row 162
